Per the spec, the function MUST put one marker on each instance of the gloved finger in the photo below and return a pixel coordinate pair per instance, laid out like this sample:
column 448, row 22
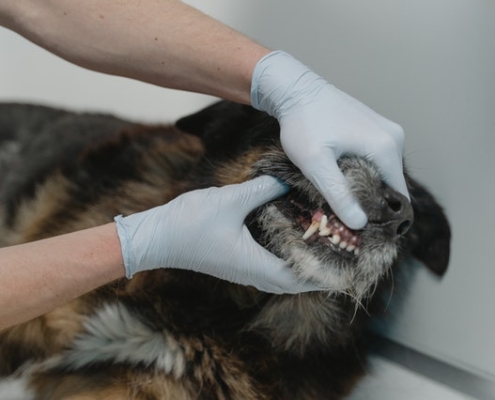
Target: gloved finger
column 388, row 157
column 395, row 179
column 322, row 170
column 276, row 276
column 389, row 165
column 281, row 280
column 388, row 126
column 393, row 129
column 256, row 192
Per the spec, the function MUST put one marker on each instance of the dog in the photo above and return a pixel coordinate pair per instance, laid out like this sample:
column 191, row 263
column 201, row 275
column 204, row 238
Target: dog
column 173, row 334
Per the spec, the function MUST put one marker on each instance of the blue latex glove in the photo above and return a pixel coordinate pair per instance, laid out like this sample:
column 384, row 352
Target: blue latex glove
column 319, row 123
column 204, row 231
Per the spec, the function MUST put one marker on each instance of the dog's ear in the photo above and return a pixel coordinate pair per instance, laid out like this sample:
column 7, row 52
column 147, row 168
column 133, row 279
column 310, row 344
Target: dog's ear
column 222, row 125
column 430, row 234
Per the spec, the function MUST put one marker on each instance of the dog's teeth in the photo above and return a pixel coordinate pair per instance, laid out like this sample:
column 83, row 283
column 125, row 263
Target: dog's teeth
column 323, row 222
column 324, row 230
column 335, row 239
column 356, row 251
column 343, row 244
column 311, row 230
column 350, row 248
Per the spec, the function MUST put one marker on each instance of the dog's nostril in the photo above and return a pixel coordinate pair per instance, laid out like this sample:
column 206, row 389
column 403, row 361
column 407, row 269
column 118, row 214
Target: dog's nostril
column 395, row 212
column 403, row 227
column 394, row 203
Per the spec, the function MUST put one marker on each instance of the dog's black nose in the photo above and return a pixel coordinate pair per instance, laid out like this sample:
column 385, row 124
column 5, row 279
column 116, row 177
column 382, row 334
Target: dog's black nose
column 393, row 212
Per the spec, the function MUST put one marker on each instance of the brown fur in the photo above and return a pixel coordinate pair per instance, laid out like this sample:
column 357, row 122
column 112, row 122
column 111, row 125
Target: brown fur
column 224, row 341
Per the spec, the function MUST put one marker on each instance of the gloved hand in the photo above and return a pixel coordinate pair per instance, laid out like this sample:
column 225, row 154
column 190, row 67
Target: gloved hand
column 319, row 123
column 204, row 231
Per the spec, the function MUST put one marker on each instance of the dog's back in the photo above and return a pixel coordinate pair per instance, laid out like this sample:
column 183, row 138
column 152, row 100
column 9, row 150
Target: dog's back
column 170, row 333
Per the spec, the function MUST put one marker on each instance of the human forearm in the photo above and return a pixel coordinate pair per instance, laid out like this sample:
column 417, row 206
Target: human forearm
column 166, row 43
column 40, row 276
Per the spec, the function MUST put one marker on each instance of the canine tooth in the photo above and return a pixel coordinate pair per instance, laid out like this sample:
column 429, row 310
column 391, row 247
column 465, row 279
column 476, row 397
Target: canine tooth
column 323, row 222
column 312, row 229
column 324, row 230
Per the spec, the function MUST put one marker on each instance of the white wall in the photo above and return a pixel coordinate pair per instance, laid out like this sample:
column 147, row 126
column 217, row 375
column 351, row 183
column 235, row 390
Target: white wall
column 427, row 64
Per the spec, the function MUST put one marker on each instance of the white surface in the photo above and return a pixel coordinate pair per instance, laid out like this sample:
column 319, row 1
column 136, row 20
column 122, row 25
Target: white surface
column 389, row 381
column 427, row 64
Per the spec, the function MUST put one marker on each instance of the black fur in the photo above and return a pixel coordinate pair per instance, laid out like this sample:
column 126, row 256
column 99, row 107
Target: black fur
column 233, row 342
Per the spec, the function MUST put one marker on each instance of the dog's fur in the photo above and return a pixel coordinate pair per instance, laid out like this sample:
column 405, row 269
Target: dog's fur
column 171, row 334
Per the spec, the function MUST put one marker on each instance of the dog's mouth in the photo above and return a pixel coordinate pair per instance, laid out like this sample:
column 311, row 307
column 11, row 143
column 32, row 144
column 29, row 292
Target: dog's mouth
column 316, row 225
column 319, row 225
column 302, row 229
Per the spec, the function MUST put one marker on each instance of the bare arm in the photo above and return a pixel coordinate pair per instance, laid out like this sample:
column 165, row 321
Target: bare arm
column 166, row 43
column 40, row 276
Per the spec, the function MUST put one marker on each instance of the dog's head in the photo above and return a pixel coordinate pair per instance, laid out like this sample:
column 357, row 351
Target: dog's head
column 300, row 227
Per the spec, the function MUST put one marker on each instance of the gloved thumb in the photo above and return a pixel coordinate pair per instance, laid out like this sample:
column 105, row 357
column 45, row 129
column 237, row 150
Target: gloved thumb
column 256, row 192
column 273, row 274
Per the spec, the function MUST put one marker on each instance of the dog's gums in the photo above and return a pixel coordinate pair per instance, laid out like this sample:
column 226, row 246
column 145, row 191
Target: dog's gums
column 321, row 225
column 330, row 231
